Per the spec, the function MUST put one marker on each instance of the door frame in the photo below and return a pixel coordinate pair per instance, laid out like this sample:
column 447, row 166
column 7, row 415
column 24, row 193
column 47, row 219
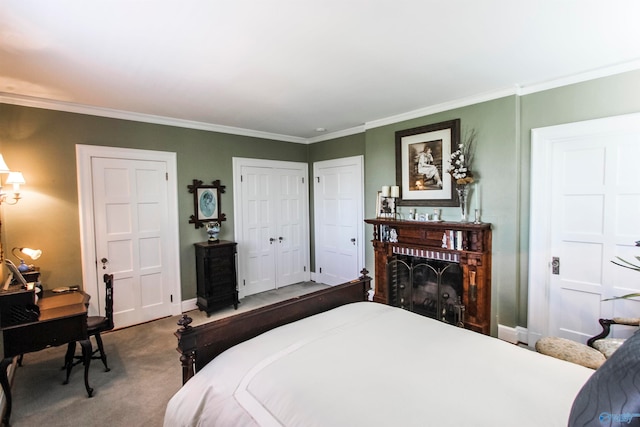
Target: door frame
column 84, row 154
column 542, row 140
column 343, row 161
column 237, row 164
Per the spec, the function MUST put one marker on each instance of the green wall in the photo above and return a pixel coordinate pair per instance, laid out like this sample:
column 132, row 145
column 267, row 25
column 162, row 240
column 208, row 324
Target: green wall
column 496, row 167
column 502, row 163
column 41, row 143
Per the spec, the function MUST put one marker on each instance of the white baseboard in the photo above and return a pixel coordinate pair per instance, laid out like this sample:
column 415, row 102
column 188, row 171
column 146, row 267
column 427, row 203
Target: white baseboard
column 513, row 335
column 188, row 305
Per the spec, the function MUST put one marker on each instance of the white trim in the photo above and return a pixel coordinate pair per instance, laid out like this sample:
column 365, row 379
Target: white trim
column 520, row 90
column 515, row 335
column 542, row 140
column 189, row 304
column 338, row 134
column 84, row 153
column 579, row 78
column 445, row 106
column 71, row 107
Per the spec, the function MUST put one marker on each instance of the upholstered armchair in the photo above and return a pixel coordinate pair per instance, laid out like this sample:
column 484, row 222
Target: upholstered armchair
column 605, row 344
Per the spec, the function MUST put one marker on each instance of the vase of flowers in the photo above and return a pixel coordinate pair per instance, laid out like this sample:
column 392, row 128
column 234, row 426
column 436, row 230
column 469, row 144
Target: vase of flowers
column 460, row 169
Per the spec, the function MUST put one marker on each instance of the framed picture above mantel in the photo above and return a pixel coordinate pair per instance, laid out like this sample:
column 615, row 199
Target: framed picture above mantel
column 422, row 155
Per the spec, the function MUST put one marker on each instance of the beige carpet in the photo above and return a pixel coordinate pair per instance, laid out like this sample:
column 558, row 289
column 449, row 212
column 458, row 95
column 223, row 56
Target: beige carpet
column 145, row 373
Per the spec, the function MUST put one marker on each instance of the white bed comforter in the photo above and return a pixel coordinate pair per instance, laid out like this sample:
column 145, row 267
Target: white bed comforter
column 368, row 364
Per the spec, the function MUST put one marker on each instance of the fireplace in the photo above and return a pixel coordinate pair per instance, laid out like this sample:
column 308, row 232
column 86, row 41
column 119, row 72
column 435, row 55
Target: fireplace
column 429, row 287
column 437, row 269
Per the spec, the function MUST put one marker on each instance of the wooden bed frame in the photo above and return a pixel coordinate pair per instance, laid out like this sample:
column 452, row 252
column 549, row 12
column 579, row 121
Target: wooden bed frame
column 198, row 345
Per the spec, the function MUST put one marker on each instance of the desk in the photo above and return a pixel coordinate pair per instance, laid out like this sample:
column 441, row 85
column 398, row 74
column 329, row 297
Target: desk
column 63, row 319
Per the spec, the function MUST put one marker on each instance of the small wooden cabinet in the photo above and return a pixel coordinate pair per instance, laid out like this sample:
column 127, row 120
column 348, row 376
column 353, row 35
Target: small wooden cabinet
column 216, row 275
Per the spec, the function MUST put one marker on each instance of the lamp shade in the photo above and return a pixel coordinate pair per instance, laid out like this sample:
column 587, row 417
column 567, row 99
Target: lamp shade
column 32, row 253
column 15, row 178
column 3, row 166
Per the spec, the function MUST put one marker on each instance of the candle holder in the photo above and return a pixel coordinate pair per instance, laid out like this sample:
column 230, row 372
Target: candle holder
column 477, row 217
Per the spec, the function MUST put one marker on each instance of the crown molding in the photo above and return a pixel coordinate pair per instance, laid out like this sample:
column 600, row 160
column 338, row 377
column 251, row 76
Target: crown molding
column 337, row 134
column 579, row 78
column 519, row 90
column 70, row 107
column 445, row 106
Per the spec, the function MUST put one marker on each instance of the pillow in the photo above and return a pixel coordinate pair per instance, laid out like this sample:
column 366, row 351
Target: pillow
column 611, row 396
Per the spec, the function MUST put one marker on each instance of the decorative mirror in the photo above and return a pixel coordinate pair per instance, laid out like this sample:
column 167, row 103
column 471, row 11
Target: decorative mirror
column 206, row 202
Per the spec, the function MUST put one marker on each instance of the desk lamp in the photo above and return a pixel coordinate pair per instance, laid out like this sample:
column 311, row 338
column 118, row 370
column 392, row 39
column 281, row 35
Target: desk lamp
column 32, row 253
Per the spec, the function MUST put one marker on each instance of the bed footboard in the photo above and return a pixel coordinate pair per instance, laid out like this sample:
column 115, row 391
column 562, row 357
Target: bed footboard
column 200, row 344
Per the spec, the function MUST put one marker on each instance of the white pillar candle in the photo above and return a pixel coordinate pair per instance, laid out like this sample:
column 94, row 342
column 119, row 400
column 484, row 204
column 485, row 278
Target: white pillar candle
column 385, row 191
column 395, row 191
column 478, row 195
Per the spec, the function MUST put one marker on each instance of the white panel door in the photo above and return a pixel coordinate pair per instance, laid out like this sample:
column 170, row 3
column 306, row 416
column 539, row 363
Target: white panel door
column 339, row 220
column 292, row 242
column 271, row 199
column 595, row 207
column 130, row 210
column 259, row 229
column 586, row 178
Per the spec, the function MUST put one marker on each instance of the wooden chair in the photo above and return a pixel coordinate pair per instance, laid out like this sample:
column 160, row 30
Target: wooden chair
column 95, row 326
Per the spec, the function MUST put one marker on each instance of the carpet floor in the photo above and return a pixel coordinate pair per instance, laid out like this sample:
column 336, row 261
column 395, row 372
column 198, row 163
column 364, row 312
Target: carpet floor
column 145, row 373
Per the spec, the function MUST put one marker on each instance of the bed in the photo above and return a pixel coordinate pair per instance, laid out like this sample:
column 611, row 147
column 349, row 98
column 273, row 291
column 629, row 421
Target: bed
column 352, row 362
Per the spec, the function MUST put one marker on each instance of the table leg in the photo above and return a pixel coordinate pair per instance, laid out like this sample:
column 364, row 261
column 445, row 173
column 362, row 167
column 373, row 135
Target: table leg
column 4, row 381
column 86, row 353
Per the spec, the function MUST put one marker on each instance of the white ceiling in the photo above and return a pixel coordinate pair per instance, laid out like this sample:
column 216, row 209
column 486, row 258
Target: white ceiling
column 282, row 68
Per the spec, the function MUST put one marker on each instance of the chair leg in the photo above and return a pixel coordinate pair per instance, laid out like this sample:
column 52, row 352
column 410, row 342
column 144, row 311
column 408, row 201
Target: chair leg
column 68, row 360
column 103, row 355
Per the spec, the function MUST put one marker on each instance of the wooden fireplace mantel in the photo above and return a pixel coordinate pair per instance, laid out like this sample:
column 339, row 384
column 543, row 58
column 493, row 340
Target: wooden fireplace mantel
column 466, row 243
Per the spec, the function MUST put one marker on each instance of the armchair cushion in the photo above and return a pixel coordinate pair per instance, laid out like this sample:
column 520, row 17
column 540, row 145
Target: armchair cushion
column 571, row 351
column 607, row 346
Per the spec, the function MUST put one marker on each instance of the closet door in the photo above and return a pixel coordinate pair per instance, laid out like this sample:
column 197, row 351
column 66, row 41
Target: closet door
column 271, row 203
column 259, row 230
column 291, row 249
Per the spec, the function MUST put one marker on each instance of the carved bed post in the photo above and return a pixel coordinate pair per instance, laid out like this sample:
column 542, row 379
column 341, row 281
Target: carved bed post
column 186, row 347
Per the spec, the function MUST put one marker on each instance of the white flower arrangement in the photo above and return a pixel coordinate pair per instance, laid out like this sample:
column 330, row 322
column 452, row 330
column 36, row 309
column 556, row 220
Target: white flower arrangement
column 460, row 160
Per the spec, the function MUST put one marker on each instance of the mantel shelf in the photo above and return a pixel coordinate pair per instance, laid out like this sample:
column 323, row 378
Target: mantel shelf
column 444, row 225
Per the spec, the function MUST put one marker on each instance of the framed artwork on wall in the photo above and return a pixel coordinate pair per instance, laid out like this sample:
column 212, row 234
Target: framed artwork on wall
column 422, row 156
column 206, row 202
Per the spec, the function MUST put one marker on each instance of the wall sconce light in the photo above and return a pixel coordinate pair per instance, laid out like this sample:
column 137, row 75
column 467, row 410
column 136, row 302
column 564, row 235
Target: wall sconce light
column 14, row 178
column 32, row 253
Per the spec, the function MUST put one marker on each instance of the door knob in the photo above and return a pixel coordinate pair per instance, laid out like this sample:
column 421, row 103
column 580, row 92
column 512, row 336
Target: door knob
column 280, row 239
column 353, row 240
column 104, row 262
column 271, row 240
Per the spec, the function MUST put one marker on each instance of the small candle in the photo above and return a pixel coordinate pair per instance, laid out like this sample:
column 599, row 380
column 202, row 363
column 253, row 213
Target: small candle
column 395, row 191
column 385, row 191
